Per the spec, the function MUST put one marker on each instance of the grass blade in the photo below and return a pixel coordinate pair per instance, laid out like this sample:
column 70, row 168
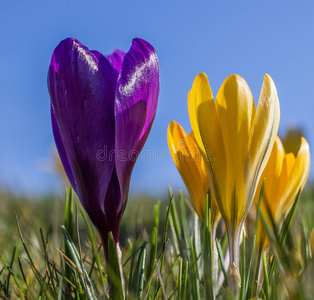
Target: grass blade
column 266, row 278
column 13, row 275
column 153, row 241
column 95, row 249
column 138, row 277
column 185, row 226
column 74, row 254
column 114, row 270
column 179, row 287
column 208, row 254
column 196, row 281
column 287, row 223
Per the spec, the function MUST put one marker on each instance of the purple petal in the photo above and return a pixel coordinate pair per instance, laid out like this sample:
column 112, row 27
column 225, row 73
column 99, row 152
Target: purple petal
column 61, row 150
column 116, row 59
column 82, row 90
column 108, row 220
column 135, row 106
column 126, row 150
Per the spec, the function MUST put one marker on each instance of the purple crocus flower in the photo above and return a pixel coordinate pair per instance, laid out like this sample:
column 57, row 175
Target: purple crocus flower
column 103, row 107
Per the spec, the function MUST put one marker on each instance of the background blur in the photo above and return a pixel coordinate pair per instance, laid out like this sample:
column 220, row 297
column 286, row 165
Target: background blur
column 249, row 38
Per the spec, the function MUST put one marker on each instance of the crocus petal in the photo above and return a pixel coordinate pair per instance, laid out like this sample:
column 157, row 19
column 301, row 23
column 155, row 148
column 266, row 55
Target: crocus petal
column 274, row 179
column 208, row 125
column 135, row 106
column 82, row 95
column 116, row 59
column 296, row 180
column 187, row 159
column 192, row 168
column 235, row 108
column 215, row 214
column 200, row 94
column 263, row 135
column 274, row 184
column 287, row 166
column 111, row 221
column 61, row 150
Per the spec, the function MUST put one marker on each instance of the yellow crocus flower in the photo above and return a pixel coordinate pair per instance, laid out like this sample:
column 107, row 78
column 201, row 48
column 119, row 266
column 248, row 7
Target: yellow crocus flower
column 195, row 174
column 284, row 175
column 237, row 140
column 192, row 168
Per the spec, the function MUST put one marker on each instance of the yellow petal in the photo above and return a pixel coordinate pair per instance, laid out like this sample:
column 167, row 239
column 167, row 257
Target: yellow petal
column 215, row 214
column 287, row 166
column 235, row 105
column 199, row 95
column 262, row 137
column 274, row 181
column 208, row 125
column 296, row 180
column 235, row 108
column 191, row 166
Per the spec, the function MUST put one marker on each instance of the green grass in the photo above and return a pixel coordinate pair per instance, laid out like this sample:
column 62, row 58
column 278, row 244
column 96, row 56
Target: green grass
column 50, row 250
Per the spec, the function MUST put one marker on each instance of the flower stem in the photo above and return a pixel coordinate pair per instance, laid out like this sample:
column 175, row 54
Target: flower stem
column 234, row 278
column 114, row 266
column 234, row 239
column 214, row 258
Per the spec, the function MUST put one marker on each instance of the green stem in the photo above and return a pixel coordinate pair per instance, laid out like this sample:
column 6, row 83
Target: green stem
column 234, row 277
column 214, row 258
column 234, row 239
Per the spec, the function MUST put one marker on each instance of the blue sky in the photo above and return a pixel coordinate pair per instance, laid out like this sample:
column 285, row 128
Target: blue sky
column 249, row 38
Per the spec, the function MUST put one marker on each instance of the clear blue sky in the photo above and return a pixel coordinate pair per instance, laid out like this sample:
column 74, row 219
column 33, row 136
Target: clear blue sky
column 249, row 38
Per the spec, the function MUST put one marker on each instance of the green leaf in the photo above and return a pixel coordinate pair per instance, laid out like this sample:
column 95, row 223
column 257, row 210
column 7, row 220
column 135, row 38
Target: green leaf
column 153, row 241
column 165, row 235
column 13, row 276
column 69, row 226
column 138, row 276
column 250, row 272
column 69, row 217
column 175, row 227
column 266, row 278
column 75, row 257
column 243, row 269
column 185, row 280
column 287, row 223
column 92, row 238
column 114, row 270
column 179, row 287
column 196, row 281
column 37, row 274
column 221, row 260
column 185, row 226
column 9, row 275
column 208, row 254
